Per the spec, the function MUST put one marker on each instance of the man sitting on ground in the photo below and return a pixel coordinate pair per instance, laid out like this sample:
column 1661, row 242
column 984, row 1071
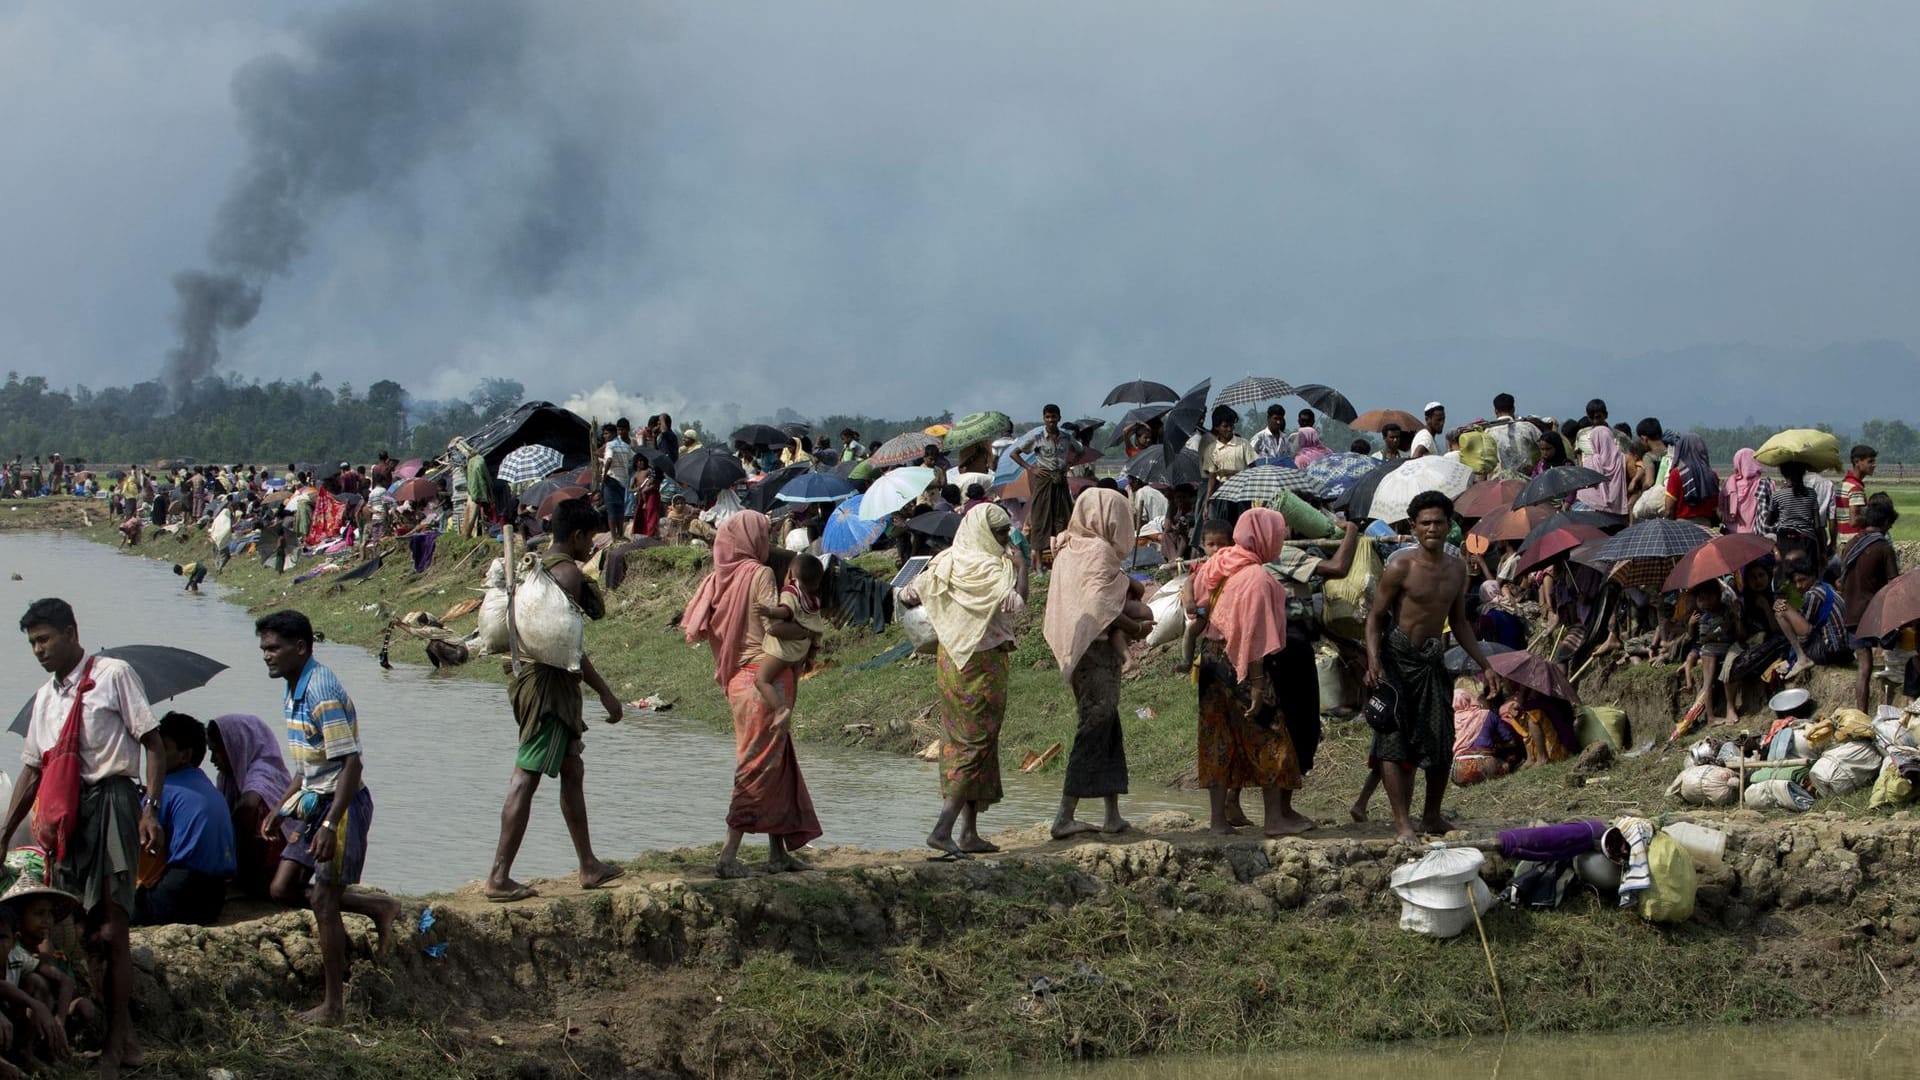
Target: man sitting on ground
column 192, row 888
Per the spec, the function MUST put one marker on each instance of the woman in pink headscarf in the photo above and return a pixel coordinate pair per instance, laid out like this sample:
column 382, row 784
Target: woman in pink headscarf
column 769, row 794
column 1311, row 448
column 1243, row 733
column 1740, row 495
column 253, row 777
column 1600, row 451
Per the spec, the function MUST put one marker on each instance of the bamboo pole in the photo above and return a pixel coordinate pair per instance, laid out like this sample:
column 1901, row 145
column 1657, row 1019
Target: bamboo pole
column 1473, row 905
column 513, row 632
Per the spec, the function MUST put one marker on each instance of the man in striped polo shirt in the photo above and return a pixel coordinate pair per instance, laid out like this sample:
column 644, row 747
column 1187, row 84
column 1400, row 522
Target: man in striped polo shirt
column 1850, row 508
column 328, row 810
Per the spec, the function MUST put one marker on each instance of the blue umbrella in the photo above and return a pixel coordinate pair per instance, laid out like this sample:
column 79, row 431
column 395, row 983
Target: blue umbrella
column 1338, row 473
column 815, row 487
column 846, row 534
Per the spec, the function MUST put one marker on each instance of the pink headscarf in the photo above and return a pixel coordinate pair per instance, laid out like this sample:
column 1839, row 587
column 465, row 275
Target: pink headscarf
column 1603, row 456
column 1740, row 495
column 1251, row 617
column 723, row 603
column 1311, row 448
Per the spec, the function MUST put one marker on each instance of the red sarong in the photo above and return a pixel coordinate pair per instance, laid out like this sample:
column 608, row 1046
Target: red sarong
column 769, row 794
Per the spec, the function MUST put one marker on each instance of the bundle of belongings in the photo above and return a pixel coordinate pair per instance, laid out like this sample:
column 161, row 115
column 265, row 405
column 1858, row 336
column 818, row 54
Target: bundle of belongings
column 1441, row 892
column 1803, row 757
column 1631, row 858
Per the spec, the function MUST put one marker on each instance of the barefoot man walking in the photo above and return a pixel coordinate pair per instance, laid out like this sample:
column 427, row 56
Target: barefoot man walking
column 1422, row 591
column 548, row 706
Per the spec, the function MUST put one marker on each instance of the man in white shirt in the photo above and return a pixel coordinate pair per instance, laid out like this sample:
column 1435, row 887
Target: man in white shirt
column 616, row 472
column 1273, row 441
column 1425, row 441
column 97, row 859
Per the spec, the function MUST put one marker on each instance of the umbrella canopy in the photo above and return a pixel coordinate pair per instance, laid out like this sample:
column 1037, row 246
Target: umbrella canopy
column 536, row 494
column 408, row 469
column 657, row 460
column 761, row 435
column 847, row 533
column 1459, row 663
column 551, row 501
column 414, row 490
column 943, row 524
column 1085, row 427
column 1488, row 497
column 1188, row 414
column 1402, row 485
column 797, row 430
column 1358, row 500
column 1263, row 482
column 894, row 490
column 1562, row 518
column 1328, row 400
column 163, row 671
column 815, row 487
column 1818, row 450
column 1141, row 391
column 1533, row 672
column 1717, row 558
column 1659, row 538
column 979, row 427
column 1337, row 473
column 526, row 464
column 1646, row 574
column 763, row 494
column 1509, row 524
column 1378, row 419
column 1154, row 466
column 1252, row 389
column 708, row 472
column 1893, row 608
column 1557, row 483
column 903, row 449
column 1145, row 414
column 1552, row 543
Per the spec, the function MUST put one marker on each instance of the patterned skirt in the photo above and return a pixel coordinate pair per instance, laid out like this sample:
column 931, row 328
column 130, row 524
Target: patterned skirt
column 975, row 703
column 1239, row 750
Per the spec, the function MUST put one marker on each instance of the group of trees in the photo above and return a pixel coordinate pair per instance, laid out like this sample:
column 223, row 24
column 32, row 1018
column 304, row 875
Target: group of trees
column 234, row 421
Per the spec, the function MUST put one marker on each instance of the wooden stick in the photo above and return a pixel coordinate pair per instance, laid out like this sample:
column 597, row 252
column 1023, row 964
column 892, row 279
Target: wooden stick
column 513, row 632
column 1473, row 905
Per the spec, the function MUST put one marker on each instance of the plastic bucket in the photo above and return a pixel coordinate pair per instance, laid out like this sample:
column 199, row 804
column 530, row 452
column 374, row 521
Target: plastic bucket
column 1704, row 844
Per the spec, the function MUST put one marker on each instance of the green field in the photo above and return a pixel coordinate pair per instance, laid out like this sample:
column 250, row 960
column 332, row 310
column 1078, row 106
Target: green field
column 1906, row 499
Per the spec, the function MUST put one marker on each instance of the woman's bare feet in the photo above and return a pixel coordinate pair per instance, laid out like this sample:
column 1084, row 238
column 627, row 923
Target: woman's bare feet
column 1115, row 825
column 731, row 870
column 319, row 1016
column 1358, row 812
column 1222, row 828
column 1290, row 825
column 1436, row 825
column 1070, row 827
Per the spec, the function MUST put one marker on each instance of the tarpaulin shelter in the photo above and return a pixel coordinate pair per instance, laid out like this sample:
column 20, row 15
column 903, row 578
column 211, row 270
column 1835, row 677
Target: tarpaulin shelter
column 535, row 422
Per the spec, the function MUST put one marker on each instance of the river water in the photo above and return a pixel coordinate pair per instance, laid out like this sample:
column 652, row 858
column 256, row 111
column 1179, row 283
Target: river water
column 1844, row 1051
column 439, row 748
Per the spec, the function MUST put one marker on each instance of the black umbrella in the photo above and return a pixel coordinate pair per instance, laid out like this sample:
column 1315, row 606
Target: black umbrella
column 761, row 496
column 1145, row 414
column 708, row 472
column 1327, row 400
column 943, row 524
column 761, row 435
column 797, row 430
column 1140, row 390
column 1188, row 415
column 657, row 460
column 1084, row 428
column 1459, row 663
column 1579, row 515
column 163, row 671
column 1154, row 466
column 1557, row 483
column 547, row 489
column 1358, row 500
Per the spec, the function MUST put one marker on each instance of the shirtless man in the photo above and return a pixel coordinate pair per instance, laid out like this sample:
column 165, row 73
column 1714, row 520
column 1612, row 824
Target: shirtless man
column 1423, row 592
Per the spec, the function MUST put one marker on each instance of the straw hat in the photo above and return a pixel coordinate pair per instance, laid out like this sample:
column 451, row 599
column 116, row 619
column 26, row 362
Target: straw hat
column 26, row 876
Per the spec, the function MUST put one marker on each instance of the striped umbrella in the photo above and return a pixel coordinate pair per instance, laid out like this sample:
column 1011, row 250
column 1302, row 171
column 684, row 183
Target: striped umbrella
column 903, row 449
column 1337, row 473
column 529, row 463
column 1264, row 482
column 1254, row 388
column 978, row 428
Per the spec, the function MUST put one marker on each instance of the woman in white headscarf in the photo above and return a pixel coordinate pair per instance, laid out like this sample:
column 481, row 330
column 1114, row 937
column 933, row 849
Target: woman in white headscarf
column 1090, row 598
column 973, row 593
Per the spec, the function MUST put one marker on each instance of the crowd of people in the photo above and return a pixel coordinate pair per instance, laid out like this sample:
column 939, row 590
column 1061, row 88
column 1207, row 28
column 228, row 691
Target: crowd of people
column 1263, row 583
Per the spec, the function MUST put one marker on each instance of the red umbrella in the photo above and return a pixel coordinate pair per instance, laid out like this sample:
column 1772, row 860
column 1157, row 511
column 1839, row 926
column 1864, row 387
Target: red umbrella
column 1508, row 523
column 1892, row 608
column 1378, row 419
column 1555, row 542
column 408, row 469
column 1488, row 497
column 414, row 490
column 1533, row 672
column 1717, row 558
column 548, row 504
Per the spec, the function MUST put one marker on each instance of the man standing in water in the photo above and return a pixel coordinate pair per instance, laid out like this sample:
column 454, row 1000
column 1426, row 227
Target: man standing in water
column 1422, row 591
column 328, row 803
column 547, row 705
column 96, row 856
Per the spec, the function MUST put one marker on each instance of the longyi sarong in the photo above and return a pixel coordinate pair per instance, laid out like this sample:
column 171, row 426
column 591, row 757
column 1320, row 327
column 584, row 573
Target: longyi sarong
column 769, row 794
column 1097, row 765
column 973, row 706
column 1419, row 672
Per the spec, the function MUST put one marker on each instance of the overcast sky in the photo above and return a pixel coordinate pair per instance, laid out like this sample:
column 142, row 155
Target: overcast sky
column 897, row 208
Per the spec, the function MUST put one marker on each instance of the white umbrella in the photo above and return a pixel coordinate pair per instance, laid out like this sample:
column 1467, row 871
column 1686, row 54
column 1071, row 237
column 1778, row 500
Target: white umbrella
column 894, row 490
column 1432, row 473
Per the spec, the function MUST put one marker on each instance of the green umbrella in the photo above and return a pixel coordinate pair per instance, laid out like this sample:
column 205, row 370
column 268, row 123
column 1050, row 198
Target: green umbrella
column 978, row 428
